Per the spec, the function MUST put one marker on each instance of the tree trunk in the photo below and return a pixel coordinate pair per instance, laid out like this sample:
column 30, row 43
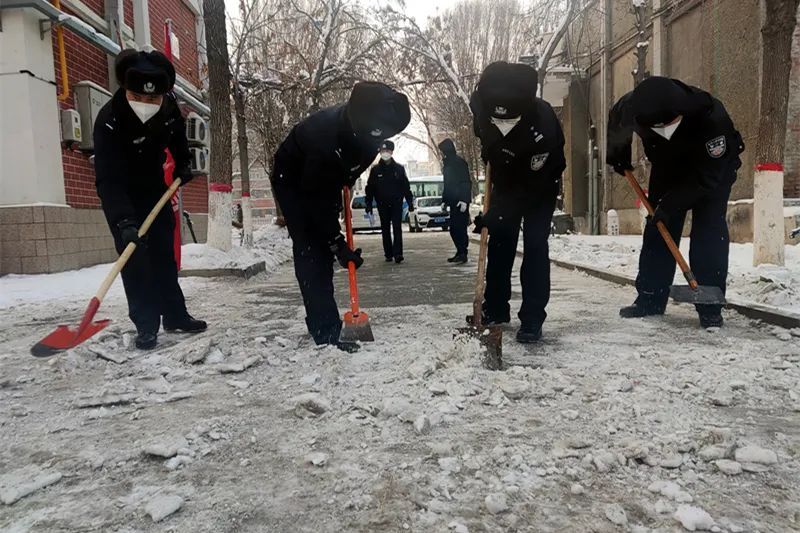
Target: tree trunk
column 780, row 18
column 244, row 165
column 219, row 82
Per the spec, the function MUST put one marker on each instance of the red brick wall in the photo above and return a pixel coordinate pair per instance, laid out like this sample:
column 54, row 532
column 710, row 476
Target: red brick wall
column 85, row 62
column 195, row 195
column 127, row 8
column 184, row 26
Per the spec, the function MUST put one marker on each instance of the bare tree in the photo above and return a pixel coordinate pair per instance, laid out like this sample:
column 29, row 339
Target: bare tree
column 777, row 28
column 219, row 198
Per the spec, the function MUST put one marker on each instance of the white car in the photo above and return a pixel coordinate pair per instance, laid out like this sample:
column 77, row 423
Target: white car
column 428, row 213
column 362, row 221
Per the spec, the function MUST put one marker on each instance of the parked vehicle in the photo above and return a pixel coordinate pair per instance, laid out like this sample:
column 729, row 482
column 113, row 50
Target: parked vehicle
column 362, row 221
column 428, row 213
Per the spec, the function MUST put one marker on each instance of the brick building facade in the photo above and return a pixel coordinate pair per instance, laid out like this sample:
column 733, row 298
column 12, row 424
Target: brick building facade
column 35, row 224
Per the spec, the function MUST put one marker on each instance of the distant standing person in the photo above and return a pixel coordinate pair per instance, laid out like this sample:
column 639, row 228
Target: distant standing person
column 388, row 186
column 322, row 154
column 456, row 195
column 694, row 149
column 522, row 140
column 130, row 135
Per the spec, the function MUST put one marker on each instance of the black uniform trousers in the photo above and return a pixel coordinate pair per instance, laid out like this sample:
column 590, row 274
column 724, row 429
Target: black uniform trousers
column 708, row 255
column 150, row 277
column 458, row 229
column 392, row 222
column 313, row 267
column 535, row 220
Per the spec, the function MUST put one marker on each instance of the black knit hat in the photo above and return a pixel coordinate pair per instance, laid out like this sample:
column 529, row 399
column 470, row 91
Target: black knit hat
column 377, row 111
column 659, row 100
column 447, row 146
column 144, row 72
column 387, row 145
column 506, row 89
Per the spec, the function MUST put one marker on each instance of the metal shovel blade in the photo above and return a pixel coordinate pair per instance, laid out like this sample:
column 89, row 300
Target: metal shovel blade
column 491, row 338
column 65, row 337
column 356, row 328
column 703, row 294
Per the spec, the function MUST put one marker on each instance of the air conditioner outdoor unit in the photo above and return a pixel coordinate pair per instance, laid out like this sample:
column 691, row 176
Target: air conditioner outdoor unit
column 196, row 129
column 199, row 162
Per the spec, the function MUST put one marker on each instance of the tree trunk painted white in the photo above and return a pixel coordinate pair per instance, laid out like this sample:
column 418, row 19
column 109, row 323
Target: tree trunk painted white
column 247, row 222
column 219, row 219
column 768, row 230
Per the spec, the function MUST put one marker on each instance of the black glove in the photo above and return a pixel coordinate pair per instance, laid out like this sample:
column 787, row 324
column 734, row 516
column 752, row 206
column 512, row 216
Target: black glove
column 344, row 254
column 621, row 166
column 479, row 224
column 186, row 176
column 129, row 231
column 411, row 209
column 660, row 215
column 368, row 210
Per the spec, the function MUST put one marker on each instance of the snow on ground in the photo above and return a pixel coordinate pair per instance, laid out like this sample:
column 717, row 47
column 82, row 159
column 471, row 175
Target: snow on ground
column 609, row 425
column 766, row 284
column 271, row 244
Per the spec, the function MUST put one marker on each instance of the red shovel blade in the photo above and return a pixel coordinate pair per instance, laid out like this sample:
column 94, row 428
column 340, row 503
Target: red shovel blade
column 65, row 337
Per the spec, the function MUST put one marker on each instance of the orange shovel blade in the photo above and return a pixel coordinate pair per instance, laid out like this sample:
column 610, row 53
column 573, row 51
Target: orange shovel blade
column 66, row 337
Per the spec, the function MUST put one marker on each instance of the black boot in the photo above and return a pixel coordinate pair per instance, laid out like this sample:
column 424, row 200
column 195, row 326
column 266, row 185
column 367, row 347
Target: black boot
column 711, row 320
column 491, row 320
column 638, row 310
column 398, row 259
column 528, row 334
column 460, row 259
column 452, row 259
column 389, row 259
column 146, row 340
column 346, row 346
column 185, row 323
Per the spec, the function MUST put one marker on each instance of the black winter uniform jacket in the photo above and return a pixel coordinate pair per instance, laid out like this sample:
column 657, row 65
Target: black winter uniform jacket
column 527, row 163
column 317, row 159
column 455, row 172
column 702, row 153
column 388, row 184
column 129, row 156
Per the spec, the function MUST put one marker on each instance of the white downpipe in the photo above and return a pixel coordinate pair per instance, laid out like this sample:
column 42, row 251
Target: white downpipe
column 219, row 217
column 247, row 222
column 768, row 225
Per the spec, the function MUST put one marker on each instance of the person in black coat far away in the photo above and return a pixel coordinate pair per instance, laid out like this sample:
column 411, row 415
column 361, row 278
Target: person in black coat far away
column 456, row 195
column 694, row 150
column 322, row 154
column 388, row 186
column 522, row 140
column 131, row 132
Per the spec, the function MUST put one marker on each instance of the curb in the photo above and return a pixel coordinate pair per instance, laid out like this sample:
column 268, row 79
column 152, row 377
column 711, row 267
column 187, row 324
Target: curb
column 245, row 273
column 765, row 313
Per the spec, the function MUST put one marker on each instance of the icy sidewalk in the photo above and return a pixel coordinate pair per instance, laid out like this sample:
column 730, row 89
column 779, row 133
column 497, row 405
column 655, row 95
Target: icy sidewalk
column 607, row 425
column 271, row 245
column 767, row 284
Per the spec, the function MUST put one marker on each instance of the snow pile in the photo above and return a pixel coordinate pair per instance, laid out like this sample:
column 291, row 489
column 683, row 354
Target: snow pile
column 271, row 245
column 766, row 284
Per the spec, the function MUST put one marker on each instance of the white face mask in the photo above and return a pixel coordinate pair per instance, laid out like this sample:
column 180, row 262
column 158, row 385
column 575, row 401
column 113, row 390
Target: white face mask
column 505, row 125
column 386, row 156
column 144, row 111
column 668, row 131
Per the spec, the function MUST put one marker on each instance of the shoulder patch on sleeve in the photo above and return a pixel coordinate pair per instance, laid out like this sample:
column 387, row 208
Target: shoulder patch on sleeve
column 538, row 161
column 716, row 147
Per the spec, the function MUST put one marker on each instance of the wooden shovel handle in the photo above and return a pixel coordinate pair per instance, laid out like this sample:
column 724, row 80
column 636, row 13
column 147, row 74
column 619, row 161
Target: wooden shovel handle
column 662, row 229
column 480, row 281
column 128, row 251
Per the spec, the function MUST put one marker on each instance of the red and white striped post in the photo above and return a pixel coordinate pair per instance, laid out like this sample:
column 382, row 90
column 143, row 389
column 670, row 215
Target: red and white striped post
column 768, row 226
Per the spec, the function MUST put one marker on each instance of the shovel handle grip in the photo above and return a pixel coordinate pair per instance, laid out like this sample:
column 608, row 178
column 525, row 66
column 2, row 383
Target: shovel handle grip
column 662, row 229
column 128, row 251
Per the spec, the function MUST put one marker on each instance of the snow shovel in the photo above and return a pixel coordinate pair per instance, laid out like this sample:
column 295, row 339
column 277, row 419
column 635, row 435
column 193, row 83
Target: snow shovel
column 491, row 337
column 694, row 293
column 355, row 326
column 66, row 337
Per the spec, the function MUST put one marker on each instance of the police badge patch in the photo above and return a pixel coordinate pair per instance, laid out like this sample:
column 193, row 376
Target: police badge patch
column 716, row 147
column 538, row 161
